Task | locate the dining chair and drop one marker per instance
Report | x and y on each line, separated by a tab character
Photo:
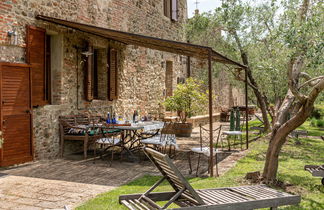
109	140
160	142
204	146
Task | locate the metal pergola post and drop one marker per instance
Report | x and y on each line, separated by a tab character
246	110
210	85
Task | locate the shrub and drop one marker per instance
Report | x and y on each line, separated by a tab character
320	123
188	98
318	112
313	122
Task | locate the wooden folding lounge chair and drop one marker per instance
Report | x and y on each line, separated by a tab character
316	171
245	197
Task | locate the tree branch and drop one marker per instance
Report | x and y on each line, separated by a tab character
312	82
315	91
294	69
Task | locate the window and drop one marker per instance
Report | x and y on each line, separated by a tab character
170	9
101	74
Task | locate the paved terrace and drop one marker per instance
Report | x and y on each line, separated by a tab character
53	184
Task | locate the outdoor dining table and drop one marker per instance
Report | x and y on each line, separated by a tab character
132	134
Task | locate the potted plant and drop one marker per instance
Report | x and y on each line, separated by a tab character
188	99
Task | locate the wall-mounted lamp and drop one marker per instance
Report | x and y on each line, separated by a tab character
87	53
13	36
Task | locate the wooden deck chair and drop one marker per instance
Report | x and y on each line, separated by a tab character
316	170
245	197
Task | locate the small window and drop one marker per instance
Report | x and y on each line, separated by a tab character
170	9
101	76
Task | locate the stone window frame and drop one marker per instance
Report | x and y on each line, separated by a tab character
56	67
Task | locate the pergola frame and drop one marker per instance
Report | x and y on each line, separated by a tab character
181	48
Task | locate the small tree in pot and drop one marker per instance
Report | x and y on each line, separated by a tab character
188	99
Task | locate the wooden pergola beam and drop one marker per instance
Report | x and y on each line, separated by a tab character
182	48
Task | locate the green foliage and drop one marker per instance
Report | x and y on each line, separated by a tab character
312	129
313	122
271	33
320	123
318	112
188	98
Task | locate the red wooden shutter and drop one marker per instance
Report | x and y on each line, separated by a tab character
169	78
35	55
88	74
112	74
174	10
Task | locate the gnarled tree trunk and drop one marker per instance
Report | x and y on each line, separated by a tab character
283	127
295	100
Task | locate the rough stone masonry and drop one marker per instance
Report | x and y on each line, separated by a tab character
141	74
141	70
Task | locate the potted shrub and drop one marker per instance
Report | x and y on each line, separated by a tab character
188	99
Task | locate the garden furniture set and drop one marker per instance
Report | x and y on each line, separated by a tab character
94	131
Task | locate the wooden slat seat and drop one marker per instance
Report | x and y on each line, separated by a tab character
316	170
243	197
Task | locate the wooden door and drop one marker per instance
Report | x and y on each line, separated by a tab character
16	116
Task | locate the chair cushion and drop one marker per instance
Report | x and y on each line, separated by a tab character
232	132
203	150
92	132
153	140
113	141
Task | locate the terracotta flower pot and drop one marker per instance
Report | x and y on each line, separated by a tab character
183	129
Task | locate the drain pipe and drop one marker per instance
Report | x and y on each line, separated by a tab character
77	76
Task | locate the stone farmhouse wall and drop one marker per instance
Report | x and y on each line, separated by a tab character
141	70
226	94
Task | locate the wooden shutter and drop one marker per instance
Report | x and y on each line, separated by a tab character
169	78
88	74
174	10
112	74
35	55
167	8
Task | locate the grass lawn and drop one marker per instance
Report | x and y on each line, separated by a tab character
292	161
312	131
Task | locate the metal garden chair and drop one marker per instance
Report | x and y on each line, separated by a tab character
204	147
165	138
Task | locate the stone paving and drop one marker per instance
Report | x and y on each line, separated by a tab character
53	184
